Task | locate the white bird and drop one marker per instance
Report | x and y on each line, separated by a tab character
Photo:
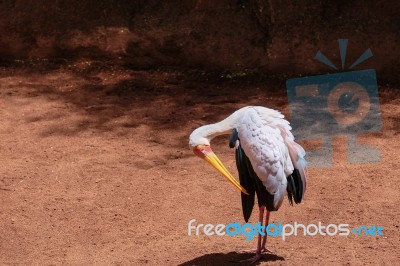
270	163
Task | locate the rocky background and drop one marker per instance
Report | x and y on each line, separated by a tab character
267	36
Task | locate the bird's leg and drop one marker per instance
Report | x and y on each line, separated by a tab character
260	219
264	241
257	256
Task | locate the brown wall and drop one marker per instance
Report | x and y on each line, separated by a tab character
270	35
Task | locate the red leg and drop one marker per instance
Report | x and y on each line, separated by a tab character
258	256
260	219
264	242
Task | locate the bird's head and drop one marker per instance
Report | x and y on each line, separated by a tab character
201	148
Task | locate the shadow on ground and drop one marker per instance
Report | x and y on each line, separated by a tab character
231	258
160	99
109	97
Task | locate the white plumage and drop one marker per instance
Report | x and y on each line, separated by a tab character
266	152
262	142
266	139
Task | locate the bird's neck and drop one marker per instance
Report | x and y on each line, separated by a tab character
214	130
221	128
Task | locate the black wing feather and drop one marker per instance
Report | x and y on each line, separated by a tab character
233	138
246	182
250	181
295	187
244	176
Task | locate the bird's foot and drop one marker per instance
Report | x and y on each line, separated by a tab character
263	250
252	260
266	250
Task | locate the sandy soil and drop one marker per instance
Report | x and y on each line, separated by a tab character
96	169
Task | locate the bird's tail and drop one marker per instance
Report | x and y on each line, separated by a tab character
297	181
297	154
295	190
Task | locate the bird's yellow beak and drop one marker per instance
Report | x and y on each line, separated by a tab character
205	152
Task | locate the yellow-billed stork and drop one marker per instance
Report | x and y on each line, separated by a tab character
269	162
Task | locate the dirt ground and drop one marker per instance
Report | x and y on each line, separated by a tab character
96	169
